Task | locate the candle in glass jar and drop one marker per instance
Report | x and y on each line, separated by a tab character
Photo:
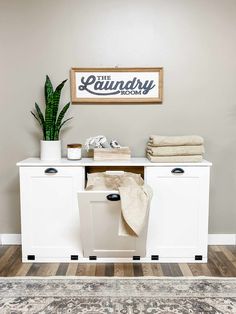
74	151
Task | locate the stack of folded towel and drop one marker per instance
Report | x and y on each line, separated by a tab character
175	148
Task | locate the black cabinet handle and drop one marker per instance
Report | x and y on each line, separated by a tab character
113	197
51	170
177	170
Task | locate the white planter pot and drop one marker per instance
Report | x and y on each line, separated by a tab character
50	150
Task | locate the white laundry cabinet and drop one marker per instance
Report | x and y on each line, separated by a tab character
177	228
49	212
178	221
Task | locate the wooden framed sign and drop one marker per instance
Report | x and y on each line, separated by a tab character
116	85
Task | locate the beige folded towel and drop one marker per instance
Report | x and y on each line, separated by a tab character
157	140
190	158
175	150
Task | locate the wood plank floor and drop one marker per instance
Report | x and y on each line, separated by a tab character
221	263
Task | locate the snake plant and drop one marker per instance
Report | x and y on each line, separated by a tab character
51	122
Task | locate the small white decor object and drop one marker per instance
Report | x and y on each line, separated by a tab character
74	151
50	150
115	144
99	141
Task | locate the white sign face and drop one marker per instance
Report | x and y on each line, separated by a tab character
116	85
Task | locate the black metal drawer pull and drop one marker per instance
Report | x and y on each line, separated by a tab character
177	170
51	170
113	197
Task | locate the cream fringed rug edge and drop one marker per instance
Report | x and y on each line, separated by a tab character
178	295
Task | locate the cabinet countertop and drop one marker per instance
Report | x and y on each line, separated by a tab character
134	161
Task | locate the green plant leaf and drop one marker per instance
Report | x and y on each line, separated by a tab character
36	117
64	122
48	90
59	128
60	118
41	117
39	121
57	92
62	114
56	99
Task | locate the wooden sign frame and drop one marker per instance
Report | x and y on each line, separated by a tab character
116	85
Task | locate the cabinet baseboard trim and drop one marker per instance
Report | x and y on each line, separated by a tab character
213	239
221	239
10	239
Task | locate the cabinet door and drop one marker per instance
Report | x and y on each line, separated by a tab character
178	221
100	221
49	212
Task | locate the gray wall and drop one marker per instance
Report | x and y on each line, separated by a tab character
193	40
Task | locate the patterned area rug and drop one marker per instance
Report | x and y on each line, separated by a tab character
117	295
